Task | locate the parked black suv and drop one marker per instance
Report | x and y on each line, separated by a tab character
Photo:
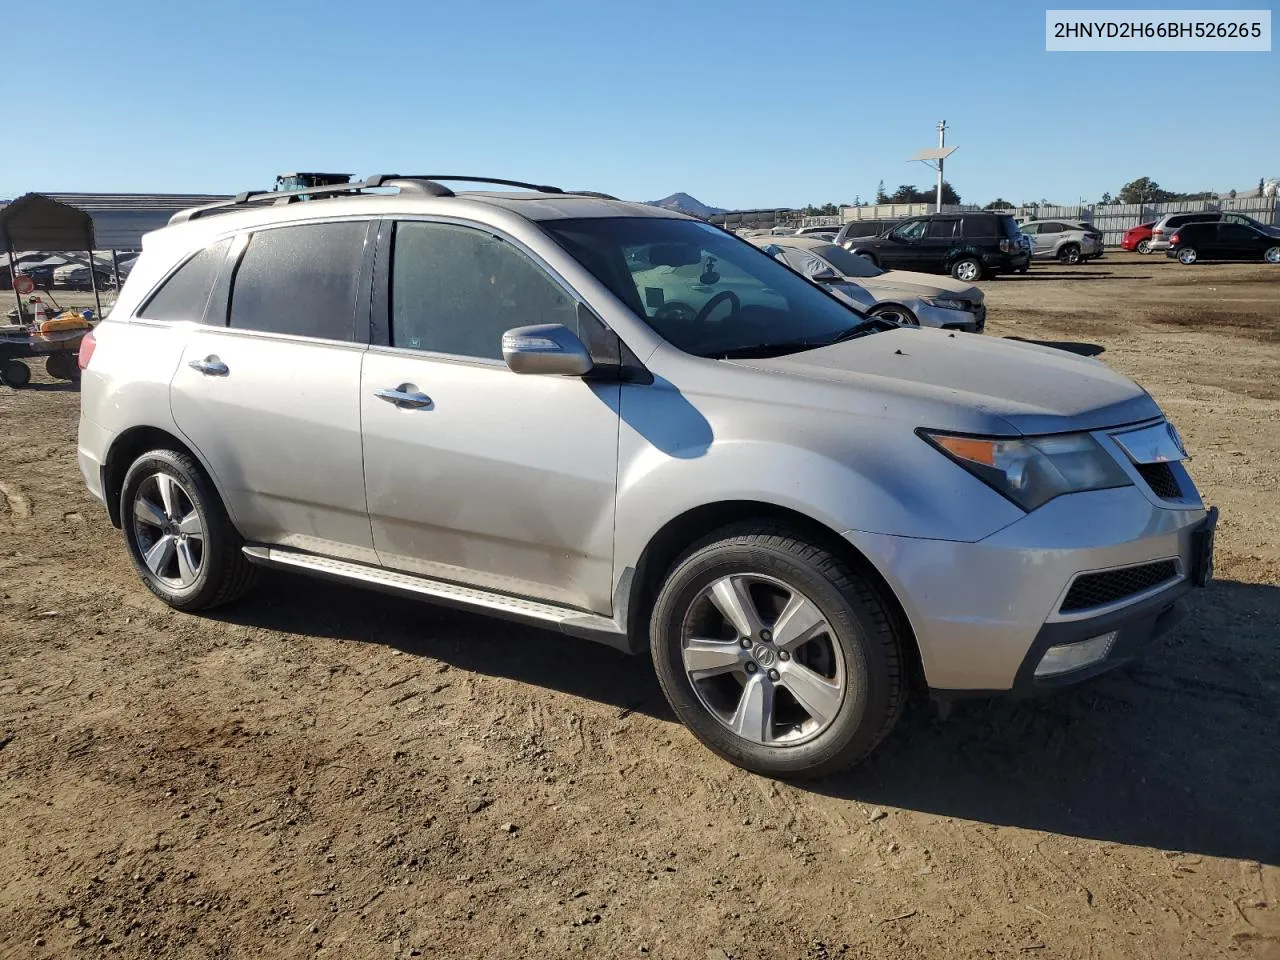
1222	241
860	229
969	246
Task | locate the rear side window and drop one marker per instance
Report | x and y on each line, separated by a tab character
186	293
457	290
942	229
984	227
300	280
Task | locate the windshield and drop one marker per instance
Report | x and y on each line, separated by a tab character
701	289
847	264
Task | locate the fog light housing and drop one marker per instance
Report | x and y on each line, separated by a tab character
1066	657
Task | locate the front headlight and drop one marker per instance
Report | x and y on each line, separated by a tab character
947	303
1031	471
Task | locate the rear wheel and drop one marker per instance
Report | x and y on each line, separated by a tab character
178	533
967	269
1144	246
776	654
1187	255
1272	255
15	373
62	366
1070	253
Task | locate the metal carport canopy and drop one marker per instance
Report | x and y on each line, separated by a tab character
35	222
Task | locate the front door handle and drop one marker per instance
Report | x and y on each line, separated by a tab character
406	397
210	366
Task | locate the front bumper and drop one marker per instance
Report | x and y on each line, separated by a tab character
983	611
973	321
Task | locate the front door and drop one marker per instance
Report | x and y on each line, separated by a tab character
901	249
484	477
268	392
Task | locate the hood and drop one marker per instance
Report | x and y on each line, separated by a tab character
908	283
1030	388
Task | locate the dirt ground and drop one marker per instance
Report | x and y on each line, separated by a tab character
321	772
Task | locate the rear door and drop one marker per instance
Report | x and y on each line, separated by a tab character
1236	242
268	389
489	478
940	240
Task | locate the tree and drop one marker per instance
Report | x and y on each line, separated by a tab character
1232	194
909	193
1106	198
881	196
1142	190
999	204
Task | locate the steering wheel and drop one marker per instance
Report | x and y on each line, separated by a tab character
676	310
715	301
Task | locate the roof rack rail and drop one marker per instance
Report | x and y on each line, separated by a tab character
407	183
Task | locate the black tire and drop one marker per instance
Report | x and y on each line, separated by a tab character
1069	253
15	374
63	366
224	572
875	262
968	270
874	688
909	319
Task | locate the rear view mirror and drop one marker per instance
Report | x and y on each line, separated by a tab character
674	255
546	348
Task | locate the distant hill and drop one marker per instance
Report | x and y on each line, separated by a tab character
686	204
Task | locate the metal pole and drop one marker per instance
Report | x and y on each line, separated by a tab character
13	276
942	142
115	268
93	279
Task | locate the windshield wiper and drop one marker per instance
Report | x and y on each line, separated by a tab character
776	348
859	328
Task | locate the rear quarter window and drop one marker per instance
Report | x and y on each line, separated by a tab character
185	295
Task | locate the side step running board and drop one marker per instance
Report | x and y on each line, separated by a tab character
576	623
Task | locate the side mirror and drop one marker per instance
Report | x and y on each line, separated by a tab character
546	348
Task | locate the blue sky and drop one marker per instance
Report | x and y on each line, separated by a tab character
739	103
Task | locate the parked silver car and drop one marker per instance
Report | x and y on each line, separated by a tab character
911	299
1069	241
619	422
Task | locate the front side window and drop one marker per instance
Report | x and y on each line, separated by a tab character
300	280
911	230
702	290
457	290
185	294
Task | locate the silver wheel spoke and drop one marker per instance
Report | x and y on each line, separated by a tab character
148	512
190	525
168	494
819	696
708	658
158	557
731	598
754	717
798	623
187	566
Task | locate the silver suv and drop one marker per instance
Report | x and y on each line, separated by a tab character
1068	241
619	422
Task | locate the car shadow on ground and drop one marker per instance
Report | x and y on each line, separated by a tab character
1079	274
1071	346
1178	752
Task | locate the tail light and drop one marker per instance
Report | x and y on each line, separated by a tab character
1175	238
1006	246
86	350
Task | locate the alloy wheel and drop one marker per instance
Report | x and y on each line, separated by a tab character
763	660
168	530
1187	255
1144	246
967	271
1272	255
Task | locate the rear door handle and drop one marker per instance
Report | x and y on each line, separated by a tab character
210	366
406	397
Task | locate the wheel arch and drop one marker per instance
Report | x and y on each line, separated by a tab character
639	590
131	444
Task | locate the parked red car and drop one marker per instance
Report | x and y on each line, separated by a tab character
1138	238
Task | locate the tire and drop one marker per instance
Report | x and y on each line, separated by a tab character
967	269
1144	247
16	374
1272	255
63	366
891	310
851	667
219	571
1187	256
1069	253
868	256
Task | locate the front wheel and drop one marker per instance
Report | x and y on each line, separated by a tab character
179	536
1187	256
895	314
1272	255
775	653
967	269
1144	246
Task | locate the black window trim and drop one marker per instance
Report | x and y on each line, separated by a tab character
380	312
235	256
